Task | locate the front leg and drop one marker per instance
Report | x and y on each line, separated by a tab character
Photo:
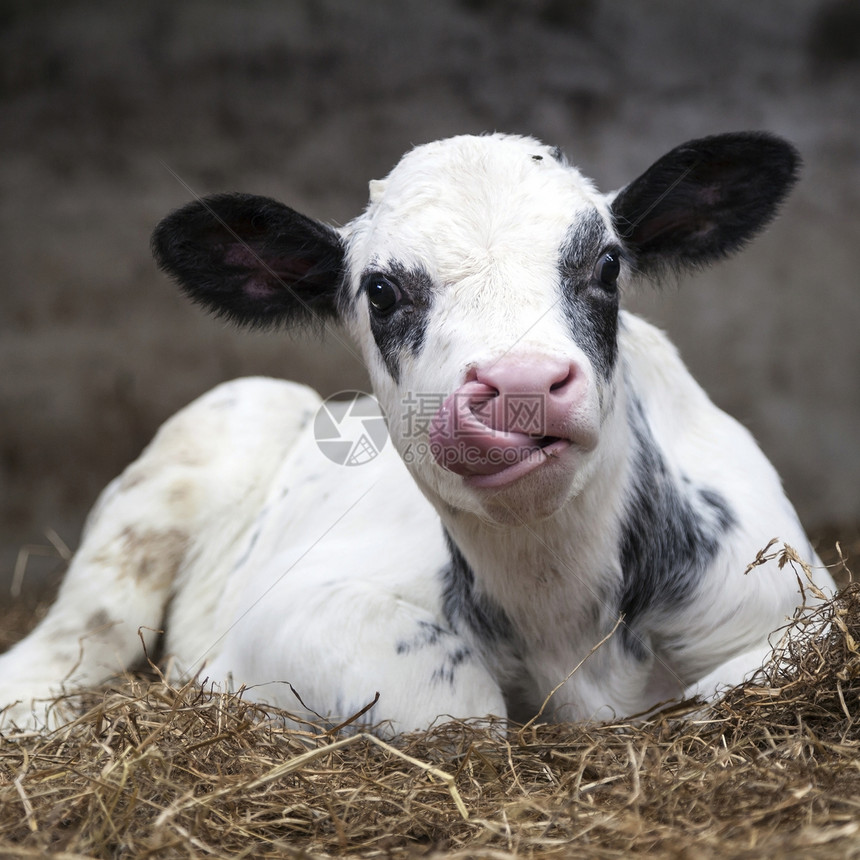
323	645
155	532
329	666
117	584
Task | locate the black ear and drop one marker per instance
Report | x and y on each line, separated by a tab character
252	259
705	199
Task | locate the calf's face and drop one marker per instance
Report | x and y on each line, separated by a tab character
481	284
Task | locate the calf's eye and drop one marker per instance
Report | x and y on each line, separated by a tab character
608	268
382	294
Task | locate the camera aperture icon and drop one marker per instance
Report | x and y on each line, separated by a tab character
349	428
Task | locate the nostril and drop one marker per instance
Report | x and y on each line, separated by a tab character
559	385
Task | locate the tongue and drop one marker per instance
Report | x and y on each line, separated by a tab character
465	445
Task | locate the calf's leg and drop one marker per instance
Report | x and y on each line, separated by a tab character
192	492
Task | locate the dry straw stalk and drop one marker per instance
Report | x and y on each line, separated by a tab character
151	770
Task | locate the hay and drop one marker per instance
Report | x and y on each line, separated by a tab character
151	770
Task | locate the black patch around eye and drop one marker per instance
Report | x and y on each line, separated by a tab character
591	306
592	316
398	325
588	237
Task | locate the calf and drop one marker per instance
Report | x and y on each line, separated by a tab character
553	467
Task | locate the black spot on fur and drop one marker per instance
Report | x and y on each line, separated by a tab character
496	641
670	535
427	635
463	606
447	672
99	619
431	635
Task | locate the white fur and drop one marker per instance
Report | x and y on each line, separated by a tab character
267	565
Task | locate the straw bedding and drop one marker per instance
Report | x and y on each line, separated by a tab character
152	770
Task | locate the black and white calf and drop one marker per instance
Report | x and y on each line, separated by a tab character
554	467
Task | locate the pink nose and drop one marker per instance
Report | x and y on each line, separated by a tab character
527	396
508	417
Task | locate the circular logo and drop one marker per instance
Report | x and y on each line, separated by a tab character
349	428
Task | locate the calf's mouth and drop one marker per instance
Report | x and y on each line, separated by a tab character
489	440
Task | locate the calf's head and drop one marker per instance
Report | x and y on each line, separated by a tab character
482	287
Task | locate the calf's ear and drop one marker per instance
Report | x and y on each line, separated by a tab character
704	199
252	260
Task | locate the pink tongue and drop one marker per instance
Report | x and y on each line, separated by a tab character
466	446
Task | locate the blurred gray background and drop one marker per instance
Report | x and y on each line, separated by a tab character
113	114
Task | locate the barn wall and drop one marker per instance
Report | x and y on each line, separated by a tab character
115	113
